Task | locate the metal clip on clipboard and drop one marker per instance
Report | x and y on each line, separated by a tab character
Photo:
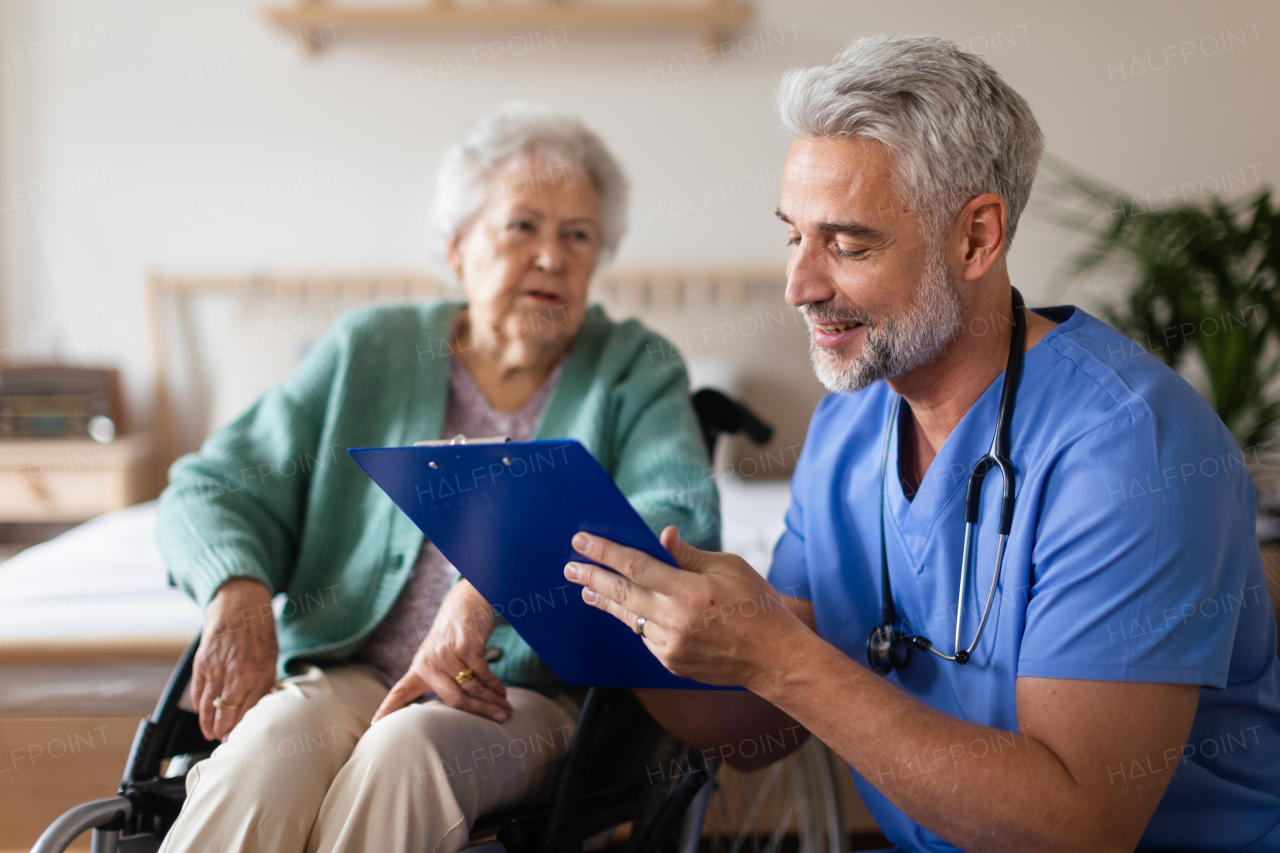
462	439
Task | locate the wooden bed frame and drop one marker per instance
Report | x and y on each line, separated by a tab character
652	294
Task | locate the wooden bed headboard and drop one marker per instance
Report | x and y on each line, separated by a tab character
735	317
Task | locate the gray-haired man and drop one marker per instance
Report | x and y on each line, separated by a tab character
1090	665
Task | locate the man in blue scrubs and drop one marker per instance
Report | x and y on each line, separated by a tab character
1125	689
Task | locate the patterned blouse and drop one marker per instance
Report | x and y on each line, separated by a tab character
390	648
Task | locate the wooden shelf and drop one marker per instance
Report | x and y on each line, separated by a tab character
710	18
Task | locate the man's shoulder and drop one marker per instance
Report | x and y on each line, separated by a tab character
1090	376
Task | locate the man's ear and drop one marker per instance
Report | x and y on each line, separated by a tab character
981	224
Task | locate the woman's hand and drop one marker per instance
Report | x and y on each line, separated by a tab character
455	643
718	621
237	656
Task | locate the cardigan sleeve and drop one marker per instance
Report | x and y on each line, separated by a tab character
662	464
237	507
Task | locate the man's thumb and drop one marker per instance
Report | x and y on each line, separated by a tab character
687	556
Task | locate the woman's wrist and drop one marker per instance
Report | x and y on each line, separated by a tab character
476	611
241	589
240	602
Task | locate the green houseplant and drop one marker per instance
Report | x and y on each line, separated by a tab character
1205	285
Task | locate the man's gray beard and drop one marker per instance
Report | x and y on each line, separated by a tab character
896	345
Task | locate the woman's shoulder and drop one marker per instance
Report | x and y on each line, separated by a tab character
624	344
420	325
378	317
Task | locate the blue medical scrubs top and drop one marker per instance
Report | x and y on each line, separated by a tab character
1132	557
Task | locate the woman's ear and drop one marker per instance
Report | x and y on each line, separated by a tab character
453	254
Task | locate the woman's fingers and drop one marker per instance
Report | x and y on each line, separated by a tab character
240	692
484	692
206	681
408	688
238	675
482	687
474	660
199	686
481	683
455	697
225	718
207	712
476	691
473	696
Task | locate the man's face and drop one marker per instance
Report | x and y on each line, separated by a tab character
876	293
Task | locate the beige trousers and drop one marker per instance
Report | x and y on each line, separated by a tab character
304	770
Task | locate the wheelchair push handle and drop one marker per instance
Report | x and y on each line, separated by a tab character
718	413
105	817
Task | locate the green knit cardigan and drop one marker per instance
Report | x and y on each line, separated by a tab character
275	497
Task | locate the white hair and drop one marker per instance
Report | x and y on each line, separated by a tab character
954	127
520	130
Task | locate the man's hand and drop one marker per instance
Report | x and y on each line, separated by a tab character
717	621
237	655
455	643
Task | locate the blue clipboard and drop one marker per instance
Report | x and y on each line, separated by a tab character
504	515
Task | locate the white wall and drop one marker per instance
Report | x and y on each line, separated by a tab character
177	135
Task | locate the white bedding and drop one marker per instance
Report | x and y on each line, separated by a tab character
101	580
105	579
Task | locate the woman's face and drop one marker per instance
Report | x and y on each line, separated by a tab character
526	260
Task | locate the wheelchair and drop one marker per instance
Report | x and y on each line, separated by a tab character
607	779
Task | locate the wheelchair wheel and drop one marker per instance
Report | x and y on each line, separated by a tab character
791	805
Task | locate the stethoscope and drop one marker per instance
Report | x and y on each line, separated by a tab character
887	647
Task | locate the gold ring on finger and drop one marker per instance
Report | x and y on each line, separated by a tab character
223	705
463	677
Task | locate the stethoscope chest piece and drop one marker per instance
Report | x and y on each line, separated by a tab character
887	649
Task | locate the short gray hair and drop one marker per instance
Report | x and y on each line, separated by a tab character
953	126
519	130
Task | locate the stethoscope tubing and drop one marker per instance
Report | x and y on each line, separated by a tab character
996	457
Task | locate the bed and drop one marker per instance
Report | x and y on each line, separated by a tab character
90	627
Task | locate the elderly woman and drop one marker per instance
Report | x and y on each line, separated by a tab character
324	746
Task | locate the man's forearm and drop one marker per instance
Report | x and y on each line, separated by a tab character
979	788
735	726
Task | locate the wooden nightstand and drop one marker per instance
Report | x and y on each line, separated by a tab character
73	480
